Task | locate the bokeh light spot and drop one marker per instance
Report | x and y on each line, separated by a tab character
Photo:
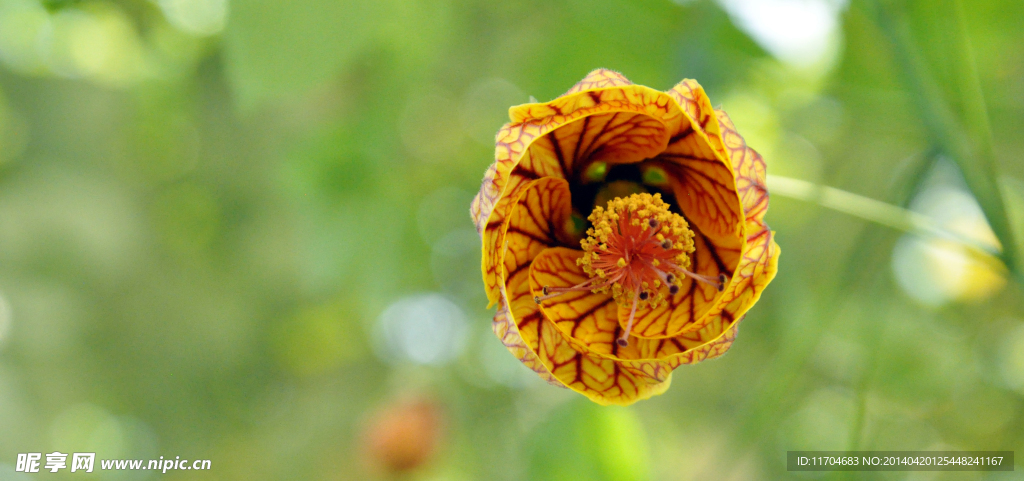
798	32
22	24
424	329
934	271
199	17
99	43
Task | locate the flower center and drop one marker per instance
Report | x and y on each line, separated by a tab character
638	250
635	247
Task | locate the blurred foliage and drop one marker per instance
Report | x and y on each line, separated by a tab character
583	441
206	208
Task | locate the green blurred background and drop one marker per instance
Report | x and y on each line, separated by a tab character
239	232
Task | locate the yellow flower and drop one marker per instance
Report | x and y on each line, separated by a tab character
623	235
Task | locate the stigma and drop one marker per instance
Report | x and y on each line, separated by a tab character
639	251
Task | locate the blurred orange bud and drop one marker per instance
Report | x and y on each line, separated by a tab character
404	434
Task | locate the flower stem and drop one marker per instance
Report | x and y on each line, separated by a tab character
870	209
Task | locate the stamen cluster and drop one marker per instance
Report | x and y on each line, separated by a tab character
635	247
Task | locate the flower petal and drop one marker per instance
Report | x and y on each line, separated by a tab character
585	363
600	378
691	97
497	194
616	125
705	190
749	168
615	137
698	304
483	201
687	311
600	78
535	222
700	170
603	380
589	321
508	334
757	268
709	350
588	318
524	205
759	265
760	258
701	177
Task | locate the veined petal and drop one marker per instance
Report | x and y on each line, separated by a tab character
499	191
760	259
483	202
700	174
508	334
600	78
705	189
749	168
696	104
709	350
757	268
700	170
536	221
618	124
588	321
686	312
600	378
603	380
587	318
708	343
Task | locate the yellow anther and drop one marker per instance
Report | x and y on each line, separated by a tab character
637	227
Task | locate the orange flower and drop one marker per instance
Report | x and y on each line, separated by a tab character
404	435
623	235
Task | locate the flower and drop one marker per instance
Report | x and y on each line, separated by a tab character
403	435
623	235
